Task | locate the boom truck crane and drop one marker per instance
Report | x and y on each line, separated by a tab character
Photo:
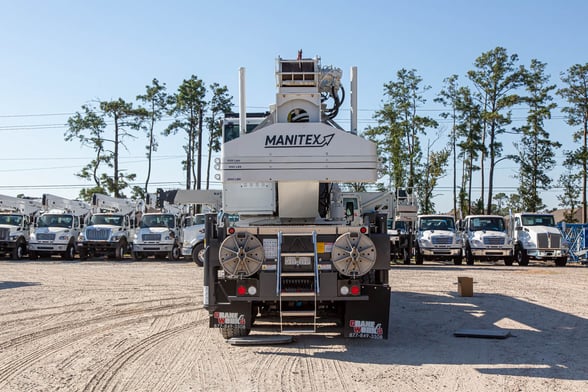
16	216
110	228
293	260
58	227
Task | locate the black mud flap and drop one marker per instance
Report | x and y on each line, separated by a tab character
368	320
237	315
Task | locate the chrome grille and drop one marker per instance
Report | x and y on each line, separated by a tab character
151	237
441	240
493	240
97	234
46	236
548	240
4	234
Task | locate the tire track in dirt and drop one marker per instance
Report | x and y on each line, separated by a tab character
107	376
19	362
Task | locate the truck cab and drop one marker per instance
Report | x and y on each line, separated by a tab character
437	239
536	237
158	234
485	237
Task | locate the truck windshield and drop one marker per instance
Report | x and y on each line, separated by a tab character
437	223
114	220
158	221
13	220
55	220
538	220
487	223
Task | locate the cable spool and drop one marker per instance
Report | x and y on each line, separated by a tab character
353	254
241	254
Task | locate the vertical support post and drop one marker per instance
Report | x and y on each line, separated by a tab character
242	103
354	100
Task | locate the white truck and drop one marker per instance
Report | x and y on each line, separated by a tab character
110	229
16	217
485	237
158	234
296	261
436	238
58	227
536	236
191	237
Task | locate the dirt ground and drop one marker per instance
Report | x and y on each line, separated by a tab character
140	326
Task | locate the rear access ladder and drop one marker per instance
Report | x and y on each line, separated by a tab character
302	317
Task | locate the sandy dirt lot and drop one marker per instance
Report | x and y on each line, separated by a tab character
140	326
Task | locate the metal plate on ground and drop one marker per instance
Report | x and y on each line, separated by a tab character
482	333
260	340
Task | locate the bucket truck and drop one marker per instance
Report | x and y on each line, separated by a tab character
110	228
58	227
297	260
16	217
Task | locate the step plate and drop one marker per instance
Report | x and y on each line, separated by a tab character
260	340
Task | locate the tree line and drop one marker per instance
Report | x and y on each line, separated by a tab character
478	106
480	112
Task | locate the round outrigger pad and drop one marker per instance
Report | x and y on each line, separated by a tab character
253	340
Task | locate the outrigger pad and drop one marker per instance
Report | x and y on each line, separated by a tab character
482	333
368	319
254	340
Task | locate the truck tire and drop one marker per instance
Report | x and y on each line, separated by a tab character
561	261
18	251
69	253
508	261
521	256
232	331
406	256
83	254
119	251
174	254
198	254
137	256
457	260
418	257
469	256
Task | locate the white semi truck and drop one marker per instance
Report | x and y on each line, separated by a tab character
16	216
536	237
294	261
437	238
485	237
110	228
58	227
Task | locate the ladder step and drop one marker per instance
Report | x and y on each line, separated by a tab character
297	273
296	234
298	313
298	294
297	254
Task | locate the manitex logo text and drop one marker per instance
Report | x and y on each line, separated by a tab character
303	140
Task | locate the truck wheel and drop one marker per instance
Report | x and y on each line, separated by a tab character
232	331
198	254
418	257
83	254
69	253
457	260
18	252
561	262
174	254
508	261
469	256
119	251
33	255
137	255
522	256
406	256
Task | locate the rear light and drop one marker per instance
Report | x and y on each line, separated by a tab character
352	289
363	230
231	230
243	290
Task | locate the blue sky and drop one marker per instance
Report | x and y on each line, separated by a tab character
59	55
